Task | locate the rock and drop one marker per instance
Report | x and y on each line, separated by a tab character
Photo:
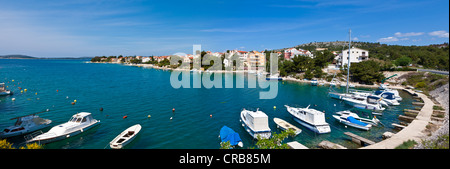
387	135
329	145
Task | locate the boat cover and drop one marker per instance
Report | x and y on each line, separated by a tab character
228	134
353	120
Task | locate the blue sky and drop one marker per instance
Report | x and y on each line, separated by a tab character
55	28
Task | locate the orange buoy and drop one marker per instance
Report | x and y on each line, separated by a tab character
124	117
56	90
101	108
210	115
173	110
73	103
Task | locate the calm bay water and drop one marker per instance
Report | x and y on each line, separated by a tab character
138	92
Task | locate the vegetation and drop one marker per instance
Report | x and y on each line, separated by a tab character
424	81
407	145
6	145
366	72
275	142
442	142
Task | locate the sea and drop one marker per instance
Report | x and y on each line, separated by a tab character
146	97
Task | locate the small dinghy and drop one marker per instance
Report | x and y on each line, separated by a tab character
286	126
125	137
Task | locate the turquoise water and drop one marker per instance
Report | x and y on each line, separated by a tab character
138	92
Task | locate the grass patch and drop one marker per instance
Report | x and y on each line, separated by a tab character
407	145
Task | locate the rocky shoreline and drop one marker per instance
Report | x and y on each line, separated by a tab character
441	95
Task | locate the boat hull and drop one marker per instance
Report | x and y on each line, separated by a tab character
345	122
65	135
23	132
311	127
114	144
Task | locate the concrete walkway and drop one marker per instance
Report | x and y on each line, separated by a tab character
413	131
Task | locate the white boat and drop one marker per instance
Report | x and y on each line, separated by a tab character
25	124
77	124
256	123
3	90
310	118
273	77
286	126
369	103
314	82
353	122
125	137
374	121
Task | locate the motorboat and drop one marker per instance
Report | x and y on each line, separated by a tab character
125	137
314	82
256	123
228	134
284	125
370	102
310	118
273	77
77	124
352	121
374	121
25	124
3	90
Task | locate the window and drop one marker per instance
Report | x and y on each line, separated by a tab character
78	120
84	120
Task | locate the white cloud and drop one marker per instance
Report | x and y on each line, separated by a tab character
388	39
355	38
399	34
441	34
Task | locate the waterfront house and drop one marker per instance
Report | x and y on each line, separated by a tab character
292	52
357	55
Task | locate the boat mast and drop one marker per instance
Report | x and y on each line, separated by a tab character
348	65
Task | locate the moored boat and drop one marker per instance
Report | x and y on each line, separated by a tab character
310	118
351	121
77	124
25	124
369	103
228	134
3	90
125	137
256	123
273	77
286	126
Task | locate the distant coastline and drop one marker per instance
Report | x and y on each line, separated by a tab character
18	56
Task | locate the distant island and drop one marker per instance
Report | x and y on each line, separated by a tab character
18	56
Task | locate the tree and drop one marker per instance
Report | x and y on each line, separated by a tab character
403	61
275	142
367	72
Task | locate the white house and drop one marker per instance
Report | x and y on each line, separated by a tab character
357	55
292	52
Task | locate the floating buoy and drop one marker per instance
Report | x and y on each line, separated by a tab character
101	108
73	103
67	97
149	116
173	110
36	93
170	118
21	91
210	115
48	110
124	117
56	90
13	99
274	107
12	80
25	90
